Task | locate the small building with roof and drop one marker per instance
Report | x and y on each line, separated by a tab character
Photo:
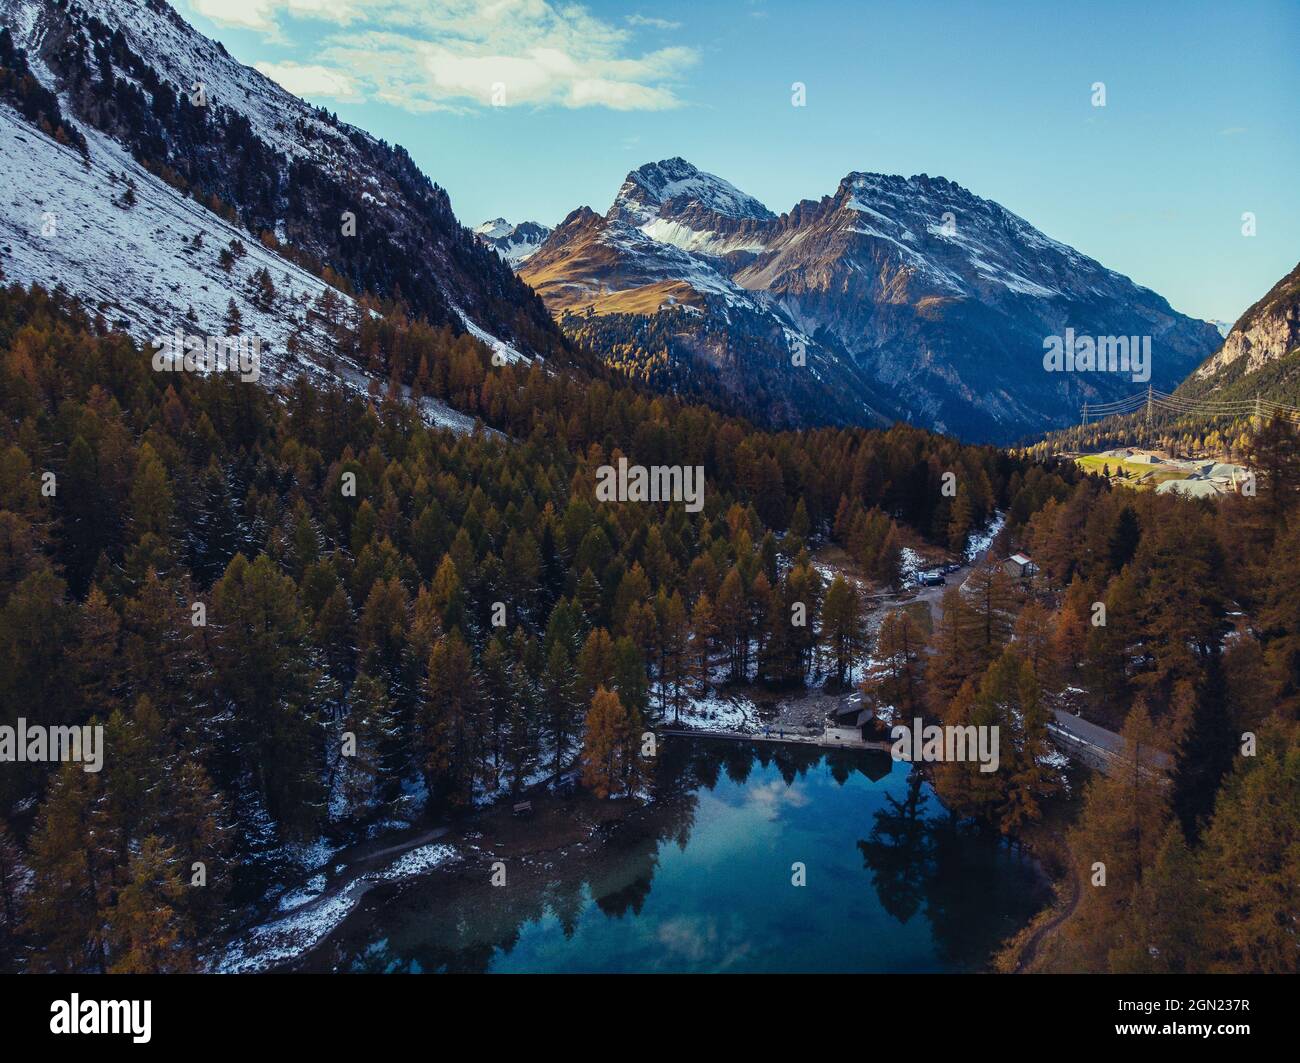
1020	566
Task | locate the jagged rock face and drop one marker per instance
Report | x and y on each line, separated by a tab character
913	297
515	243
276	165
1266	333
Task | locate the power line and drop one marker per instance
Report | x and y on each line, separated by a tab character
1153	399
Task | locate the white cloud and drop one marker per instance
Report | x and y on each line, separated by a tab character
653	23
251	14
311	80
467	53
260	14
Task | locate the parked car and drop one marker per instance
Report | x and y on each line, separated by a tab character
932	579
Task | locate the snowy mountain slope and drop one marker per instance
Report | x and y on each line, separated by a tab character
68	222
182	56
61	225
327	193
912	296
514	243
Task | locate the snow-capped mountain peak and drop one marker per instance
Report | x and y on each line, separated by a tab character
910	294
515	243
673	188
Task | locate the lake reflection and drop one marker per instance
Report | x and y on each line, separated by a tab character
702	881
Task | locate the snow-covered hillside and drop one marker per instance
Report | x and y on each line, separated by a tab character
157	91
149	267
182	56
148	259
154	260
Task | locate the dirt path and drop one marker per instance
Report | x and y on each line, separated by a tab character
395	850
1029	952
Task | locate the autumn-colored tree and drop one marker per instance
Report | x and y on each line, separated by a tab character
446	721
97	656
630	676
559	691
1280	623
1163	929
842	629
70	876
367	751
268	678
595	664
1250	860
895	676
674	640
12	875
1026	776
704	634
992	598
955	645
611	754
1273	452
1117	839
447	594
145	929
1033	638
523	730
36	625
732	613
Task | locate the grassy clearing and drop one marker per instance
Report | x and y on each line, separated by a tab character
1154	474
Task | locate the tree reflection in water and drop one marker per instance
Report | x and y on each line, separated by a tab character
920	861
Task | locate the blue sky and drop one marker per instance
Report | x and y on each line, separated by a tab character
1200	123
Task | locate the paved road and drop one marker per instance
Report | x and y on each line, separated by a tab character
1078	727
933	596
1108	743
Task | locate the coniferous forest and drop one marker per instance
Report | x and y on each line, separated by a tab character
236	583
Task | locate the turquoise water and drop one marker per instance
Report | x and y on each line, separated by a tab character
891	882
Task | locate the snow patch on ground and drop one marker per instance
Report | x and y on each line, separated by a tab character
417	862
296	898
910	566
502	352
979	542
309	922
719	711
310	855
